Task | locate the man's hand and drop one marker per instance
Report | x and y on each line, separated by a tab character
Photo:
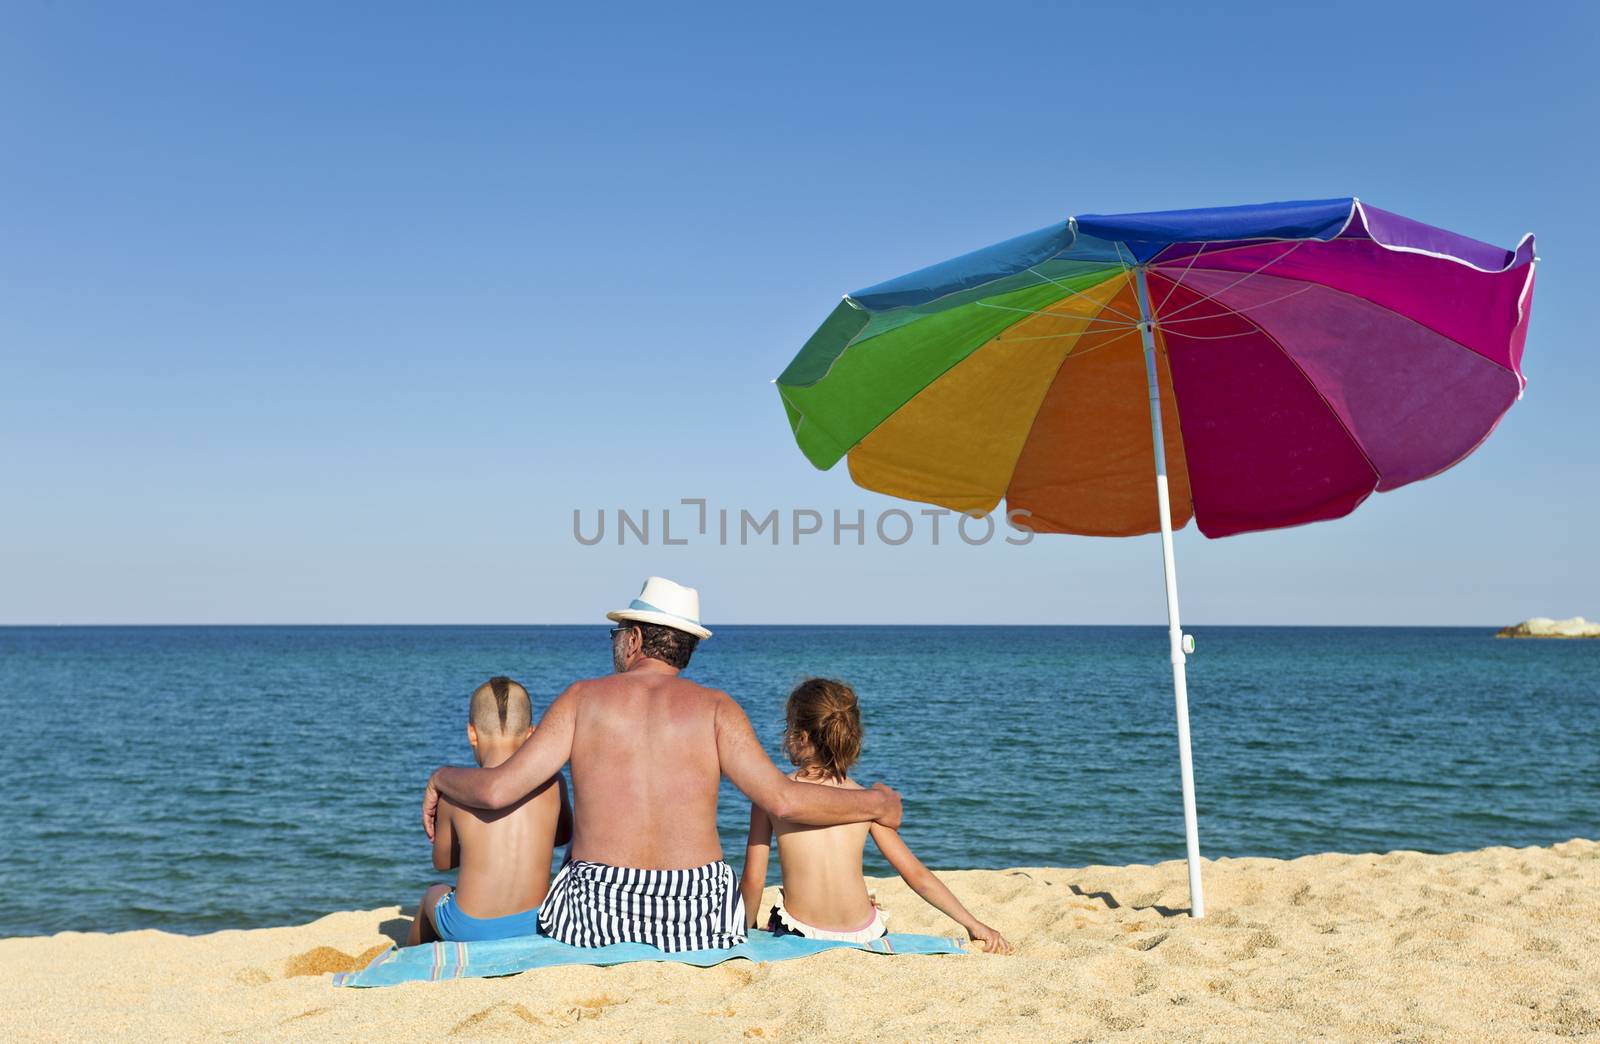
430	808
891	805
747	766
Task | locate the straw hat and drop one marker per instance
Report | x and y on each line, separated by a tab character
666	603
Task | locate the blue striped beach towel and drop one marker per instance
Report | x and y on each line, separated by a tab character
455	960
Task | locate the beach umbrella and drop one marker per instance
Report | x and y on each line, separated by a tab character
1269	365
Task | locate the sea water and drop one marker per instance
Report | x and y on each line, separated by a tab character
200	778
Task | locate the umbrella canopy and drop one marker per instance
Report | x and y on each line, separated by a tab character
1308	354
1302	354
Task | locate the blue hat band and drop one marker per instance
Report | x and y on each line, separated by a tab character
641	604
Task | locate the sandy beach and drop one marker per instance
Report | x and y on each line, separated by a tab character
1494	944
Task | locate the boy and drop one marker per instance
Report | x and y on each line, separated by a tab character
504	855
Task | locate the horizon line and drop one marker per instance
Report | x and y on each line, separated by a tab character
725	626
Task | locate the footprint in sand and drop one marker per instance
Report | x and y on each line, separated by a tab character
304	1015
1568	1018
1255	942
496	1020
1149	942
591	1007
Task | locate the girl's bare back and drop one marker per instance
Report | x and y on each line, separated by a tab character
823	889
822	879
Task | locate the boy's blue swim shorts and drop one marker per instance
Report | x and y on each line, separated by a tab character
455	925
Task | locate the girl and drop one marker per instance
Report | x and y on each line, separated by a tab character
823	895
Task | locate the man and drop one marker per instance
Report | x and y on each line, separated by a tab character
648	749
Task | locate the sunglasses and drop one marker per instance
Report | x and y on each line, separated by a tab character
620	630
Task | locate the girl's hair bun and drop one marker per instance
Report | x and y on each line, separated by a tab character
828	713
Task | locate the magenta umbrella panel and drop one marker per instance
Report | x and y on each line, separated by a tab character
1306	354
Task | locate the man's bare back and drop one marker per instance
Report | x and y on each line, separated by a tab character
645	760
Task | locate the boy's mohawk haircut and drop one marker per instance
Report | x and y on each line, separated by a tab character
500	685
501	705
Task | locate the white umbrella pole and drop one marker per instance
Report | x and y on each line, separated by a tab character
1180	686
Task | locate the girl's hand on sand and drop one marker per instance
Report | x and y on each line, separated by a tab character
430	808
993	941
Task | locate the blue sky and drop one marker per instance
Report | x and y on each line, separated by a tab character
333	313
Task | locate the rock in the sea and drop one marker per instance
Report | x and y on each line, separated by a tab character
1544	627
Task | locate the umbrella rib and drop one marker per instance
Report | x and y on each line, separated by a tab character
1210	337
1127	271
1116	324
1128	327
1103	344
1238	311
1001	338
1079	293
1174	287
1212	296
1249	244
